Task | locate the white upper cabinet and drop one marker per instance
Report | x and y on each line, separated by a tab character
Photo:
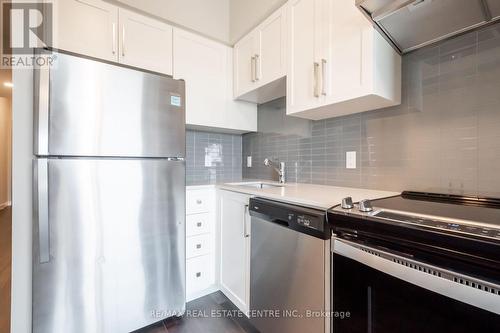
304	43
260	61
270	61
98	29
202	64
206	66
239	115
338	63
86	27
244	64
145	43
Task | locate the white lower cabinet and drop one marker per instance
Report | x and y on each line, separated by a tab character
235	248
218	244
198	201
199	275
197	224
198	245
200	241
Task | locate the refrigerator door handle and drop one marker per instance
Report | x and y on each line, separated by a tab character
42	120
42	209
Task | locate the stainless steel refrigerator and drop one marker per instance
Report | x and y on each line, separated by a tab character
109	197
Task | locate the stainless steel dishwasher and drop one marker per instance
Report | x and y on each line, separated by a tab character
289	268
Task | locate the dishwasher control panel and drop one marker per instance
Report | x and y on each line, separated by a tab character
307	221
303	219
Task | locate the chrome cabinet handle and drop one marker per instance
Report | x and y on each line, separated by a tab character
323	77
257	67
316	79
42	208
245	233
123	40
198	224
114	39
252	69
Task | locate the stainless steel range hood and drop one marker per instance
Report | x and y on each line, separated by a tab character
411	24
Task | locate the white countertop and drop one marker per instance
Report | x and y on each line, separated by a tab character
316	196
199	186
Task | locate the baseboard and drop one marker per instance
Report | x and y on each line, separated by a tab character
5	205
235	299
202	293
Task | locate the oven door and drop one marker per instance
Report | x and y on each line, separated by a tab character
377	291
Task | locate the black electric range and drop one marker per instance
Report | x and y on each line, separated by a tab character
434	254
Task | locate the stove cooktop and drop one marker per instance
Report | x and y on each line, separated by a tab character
465	215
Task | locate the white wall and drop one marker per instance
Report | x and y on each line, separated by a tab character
247	14
22	150
208	17
5	141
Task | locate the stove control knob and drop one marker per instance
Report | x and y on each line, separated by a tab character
365	206
347	203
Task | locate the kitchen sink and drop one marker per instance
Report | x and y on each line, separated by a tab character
258	185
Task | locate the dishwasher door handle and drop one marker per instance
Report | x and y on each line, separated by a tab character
280	222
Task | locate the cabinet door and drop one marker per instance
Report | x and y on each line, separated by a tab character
271	61
244	64
346	51
145	43
202	64
238	115
87	27
235	248
207	68
304	45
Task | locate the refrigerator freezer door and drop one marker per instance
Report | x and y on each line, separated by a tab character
91	108
116	244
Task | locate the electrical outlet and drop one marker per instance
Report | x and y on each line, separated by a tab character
249	161
350	160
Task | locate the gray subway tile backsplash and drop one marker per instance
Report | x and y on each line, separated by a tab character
212	157
444	137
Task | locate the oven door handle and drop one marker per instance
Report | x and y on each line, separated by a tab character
436	279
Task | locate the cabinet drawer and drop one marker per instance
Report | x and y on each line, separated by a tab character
199	275
197	246
197	224
197	201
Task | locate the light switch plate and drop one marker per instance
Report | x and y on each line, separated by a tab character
350	160
249	161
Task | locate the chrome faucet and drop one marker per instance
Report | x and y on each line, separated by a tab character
280	170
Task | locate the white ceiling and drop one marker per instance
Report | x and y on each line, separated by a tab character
247	14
